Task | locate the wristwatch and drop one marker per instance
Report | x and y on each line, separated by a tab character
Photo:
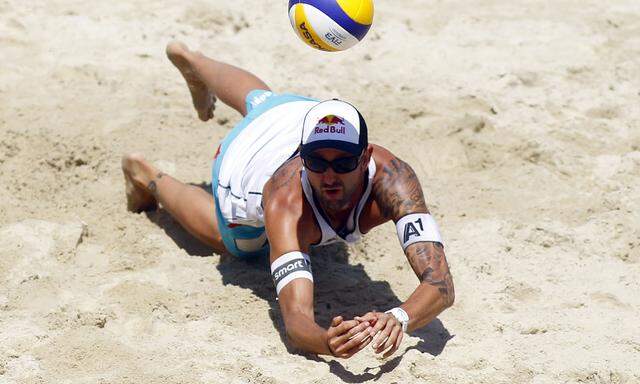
401	315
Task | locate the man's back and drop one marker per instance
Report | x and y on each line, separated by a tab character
269	135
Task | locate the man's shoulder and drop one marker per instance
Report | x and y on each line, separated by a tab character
396	188
386	163
382	156
288	216
283	192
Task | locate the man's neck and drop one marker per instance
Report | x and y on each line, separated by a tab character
338	218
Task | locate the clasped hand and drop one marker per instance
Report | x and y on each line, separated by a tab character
348	337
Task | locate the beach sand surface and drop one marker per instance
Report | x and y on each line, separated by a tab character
521	119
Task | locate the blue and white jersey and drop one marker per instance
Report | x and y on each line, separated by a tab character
267	137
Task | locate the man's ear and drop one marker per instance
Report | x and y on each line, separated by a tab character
367	155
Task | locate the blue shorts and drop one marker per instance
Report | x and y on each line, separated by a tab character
242	240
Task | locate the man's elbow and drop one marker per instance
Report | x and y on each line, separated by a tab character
449	299
296	340
448	293
293	339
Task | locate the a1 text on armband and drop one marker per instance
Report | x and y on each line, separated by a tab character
416	227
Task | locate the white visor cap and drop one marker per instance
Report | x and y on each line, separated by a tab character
334	124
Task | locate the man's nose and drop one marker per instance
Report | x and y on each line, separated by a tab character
329	176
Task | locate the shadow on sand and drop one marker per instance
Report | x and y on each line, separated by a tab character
340	289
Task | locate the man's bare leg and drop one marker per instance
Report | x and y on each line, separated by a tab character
208	79
191	206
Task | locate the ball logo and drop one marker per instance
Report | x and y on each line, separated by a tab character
307	35
334	38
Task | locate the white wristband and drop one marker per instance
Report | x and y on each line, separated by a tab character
416	227
401	315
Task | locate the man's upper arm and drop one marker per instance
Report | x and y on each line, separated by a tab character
398	192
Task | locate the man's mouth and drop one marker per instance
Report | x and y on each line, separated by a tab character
332	192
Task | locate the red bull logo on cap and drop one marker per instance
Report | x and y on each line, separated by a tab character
330	124
331	119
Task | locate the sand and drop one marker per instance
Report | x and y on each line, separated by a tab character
522	119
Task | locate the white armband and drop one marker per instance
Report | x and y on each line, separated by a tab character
416	227
290	266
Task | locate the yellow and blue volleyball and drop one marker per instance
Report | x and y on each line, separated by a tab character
331	25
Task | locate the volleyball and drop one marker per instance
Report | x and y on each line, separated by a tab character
331	25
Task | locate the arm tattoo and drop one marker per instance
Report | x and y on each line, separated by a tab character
399	192
283	176
430	264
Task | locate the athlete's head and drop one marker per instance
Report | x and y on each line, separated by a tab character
335	152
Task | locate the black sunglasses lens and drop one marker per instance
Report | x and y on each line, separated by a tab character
341	165
315	164
345	164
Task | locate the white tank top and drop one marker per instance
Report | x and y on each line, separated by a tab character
351	232
253	156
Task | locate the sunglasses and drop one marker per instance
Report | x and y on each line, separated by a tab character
339	165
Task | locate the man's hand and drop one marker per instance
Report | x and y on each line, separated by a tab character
346	338
387	330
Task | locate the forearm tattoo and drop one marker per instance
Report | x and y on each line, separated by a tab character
399	192
430	264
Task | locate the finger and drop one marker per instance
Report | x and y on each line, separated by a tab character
333	331
345	326
341	328
384	335
370	319
379	327
380	323
360	347
393	336
354	342
357	330
366	341
396	345
369	316
338	341
399	339
390	345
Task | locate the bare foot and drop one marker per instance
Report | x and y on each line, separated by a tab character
203	99
137	176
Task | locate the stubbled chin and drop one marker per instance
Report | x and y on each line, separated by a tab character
333	202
